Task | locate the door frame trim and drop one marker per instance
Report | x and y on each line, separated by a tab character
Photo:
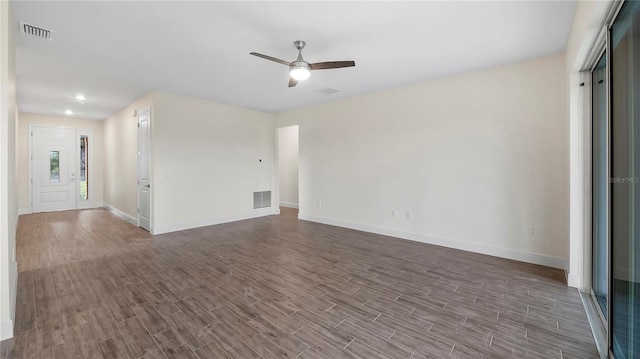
85	131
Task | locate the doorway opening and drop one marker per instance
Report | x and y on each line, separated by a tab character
288	167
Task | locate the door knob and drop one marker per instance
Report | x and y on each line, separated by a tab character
148	186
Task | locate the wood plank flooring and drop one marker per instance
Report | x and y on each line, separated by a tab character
93	286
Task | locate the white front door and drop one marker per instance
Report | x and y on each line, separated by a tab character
144	184
54	169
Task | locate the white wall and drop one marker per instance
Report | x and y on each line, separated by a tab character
288	166
478	158
26	120
206	162
121	159
8	197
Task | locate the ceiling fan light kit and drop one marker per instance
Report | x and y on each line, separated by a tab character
300	70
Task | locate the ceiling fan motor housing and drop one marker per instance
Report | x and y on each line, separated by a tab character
300	65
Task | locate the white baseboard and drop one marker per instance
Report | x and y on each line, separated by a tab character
573	280
289	205
121	214
210	222
521	256
24	211
6	329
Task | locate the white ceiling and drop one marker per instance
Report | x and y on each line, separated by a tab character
115	52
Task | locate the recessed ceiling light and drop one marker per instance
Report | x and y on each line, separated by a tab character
68	112
80	97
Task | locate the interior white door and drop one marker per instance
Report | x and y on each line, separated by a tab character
144	183
54	185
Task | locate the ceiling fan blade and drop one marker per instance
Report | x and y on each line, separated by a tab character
267	57
292	82
332	65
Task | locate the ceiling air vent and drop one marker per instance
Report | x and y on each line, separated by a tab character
328	91
36	31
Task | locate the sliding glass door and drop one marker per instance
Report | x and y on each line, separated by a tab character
625	175
615	179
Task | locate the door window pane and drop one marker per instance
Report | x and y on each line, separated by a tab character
54	166
84	168
625	175
600	183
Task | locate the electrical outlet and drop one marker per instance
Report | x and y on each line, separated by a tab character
319	203
409	215
533	231
393	213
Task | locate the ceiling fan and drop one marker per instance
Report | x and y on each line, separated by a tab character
299	70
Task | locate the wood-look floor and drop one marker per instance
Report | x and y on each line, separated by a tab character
94	286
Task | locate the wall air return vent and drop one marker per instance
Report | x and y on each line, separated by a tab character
36	31
261	199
